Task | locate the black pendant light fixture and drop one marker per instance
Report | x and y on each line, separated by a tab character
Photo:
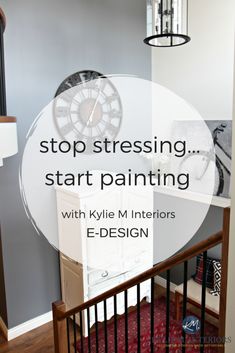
167	23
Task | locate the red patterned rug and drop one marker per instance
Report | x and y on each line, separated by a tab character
192	341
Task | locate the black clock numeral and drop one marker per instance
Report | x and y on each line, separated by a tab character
112	98
98	129
72	112
82	129
92	85
66	86
87	75
79	137
74	80
111	128
90	144
63	87
102	83
95	75
113	114
81	95
66	129
62	112
67	96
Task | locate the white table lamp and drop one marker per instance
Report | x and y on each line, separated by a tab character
8	132
8	137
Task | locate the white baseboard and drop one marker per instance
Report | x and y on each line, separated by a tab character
162	282
26	326
3	328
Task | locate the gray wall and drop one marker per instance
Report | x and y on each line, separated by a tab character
46	41
3	304
212	224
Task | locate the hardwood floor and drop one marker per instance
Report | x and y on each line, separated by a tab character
39	340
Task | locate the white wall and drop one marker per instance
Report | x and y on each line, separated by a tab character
202	73
202	70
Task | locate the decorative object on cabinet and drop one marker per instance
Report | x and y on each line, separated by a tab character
92	266
167	23
8	133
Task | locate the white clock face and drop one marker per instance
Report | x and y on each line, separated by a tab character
90	111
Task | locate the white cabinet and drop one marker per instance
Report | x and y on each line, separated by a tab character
91	266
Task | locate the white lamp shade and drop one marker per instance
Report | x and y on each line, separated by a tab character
8	140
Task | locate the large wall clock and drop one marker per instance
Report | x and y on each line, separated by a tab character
92	111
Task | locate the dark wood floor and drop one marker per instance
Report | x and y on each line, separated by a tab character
39	340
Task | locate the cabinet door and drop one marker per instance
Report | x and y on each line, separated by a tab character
103	251
70	240
138	200
71	282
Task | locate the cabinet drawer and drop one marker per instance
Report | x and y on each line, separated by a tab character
99	288
99	276
135	271
140	260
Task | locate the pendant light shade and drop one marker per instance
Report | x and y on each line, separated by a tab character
8	131
167	23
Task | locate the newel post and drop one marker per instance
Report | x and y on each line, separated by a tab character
224	276
59	326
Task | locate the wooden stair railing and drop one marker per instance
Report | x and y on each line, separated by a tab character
61	316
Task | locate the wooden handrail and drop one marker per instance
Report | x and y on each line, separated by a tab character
7	119
163	266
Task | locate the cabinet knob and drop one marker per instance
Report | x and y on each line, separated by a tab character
104	274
